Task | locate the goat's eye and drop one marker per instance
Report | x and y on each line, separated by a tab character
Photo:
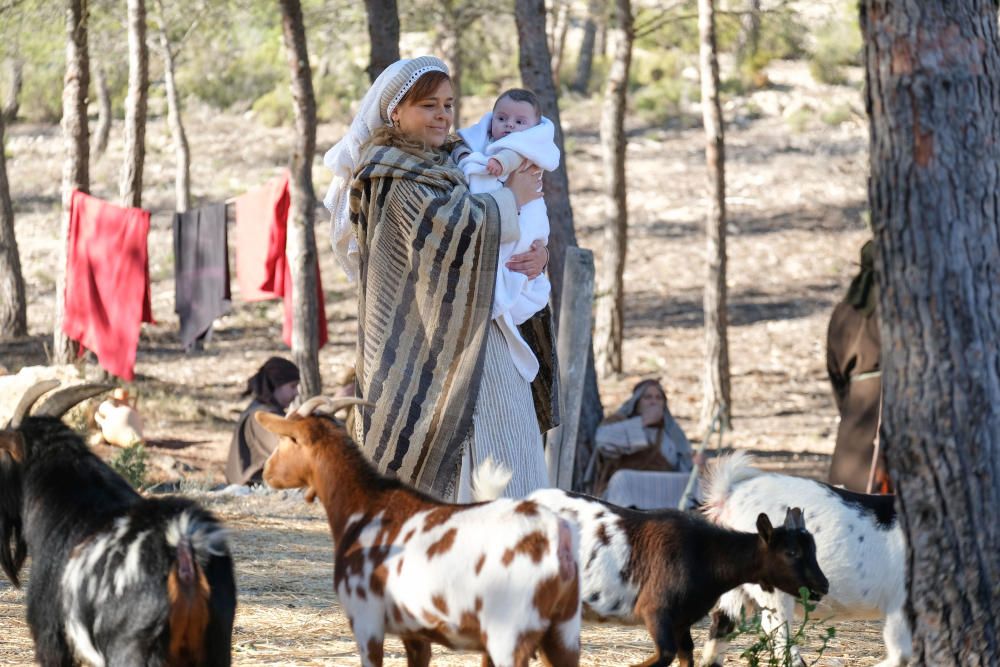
793	552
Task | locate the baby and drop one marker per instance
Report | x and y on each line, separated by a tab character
498	144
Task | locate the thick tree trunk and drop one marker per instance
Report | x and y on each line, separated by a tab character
536	73
182	154
716	381
610	323
383	32
130	186
13	101
933	97
301	248
13	305
585	60
103	129
76	164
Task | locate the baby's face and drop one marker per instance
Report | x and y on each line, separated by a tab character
510	116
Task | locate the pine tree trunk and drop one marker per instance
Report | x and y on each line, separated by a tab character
610	321
933	98
451	52
748	42
130	186
13	101
383	32
103	129
536	73
182	169
716	381
301	248
13	305
76	165
559	33
585	60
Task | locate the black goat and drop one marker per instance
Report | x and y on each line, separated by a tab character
116	579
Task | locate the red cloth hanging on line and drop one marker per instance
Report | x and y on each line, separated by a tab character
107	281
262	270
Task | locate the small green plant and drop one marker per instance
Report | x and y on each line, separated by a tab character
837	115
838	44
130	463
766	650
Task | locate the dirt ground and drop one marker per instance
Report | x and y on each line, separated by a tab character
796	168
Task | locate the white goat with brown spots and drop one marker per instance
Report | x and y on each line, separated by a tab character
497	577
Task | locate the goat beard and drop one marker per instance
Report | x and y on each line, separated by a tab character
13	549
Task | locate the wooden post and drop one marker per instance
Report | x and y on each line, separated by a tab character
572	347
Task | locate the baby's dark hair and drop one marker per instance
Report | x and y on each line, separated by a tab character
522	95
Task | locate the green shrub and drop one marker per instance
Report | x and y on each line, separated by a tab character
337	92
764	649
838	44
837	115
661	101
130	463
275	108
799	119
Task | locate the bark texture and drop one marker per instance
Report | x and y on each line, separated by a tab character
103	129
933	97
130	186
383	32
536	73
301	244
716	381
13	305
13	102
610	322
76	163
182	154
585	59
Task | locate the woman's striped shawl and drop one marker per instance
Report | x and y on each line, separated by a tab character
428	257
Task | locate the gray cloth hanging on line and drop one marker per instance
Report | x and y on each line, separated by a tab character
201	270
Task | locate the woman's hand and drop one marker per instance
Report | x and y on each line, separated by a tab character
532	262
526	184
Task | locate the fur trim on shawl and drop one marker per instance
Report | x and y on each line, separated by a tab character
428	254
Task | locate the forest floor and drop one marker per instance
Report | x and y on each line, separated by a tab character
796	162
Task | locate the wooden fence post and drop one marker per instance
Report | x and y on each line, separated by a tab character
572	347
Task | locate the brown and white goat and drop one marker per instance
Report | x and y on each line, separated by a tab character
666	568
499	577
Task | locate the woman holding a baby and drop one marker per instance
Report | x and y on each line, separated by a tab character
454	339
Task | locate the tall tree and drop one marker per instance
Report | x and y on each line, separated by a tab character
610	317
182	154
561	17
103	129
11	105
716	380
13	304
76	143
748	42
933	98
585	59
301	249
536	73
383	33
130	186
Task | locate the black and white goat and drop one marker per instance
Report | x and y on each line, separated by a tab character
859	545
116	579
666	568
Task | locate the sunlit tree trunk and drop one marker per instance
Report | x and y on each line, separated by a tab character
716	380
536	73
13	305
301	245
182	154
103	129
585	60
451	50
559	31
76	143
933	98
610	317
130	186
383	33
13	101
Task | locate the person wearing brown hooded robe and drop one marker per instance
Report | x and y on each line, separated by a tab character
273	387
852	362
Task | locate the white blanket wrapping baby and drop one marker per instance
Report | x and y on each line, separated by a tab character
516	298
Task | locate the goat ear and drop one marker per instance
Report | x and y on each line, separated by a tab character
764	527
11	443
277	424
794	519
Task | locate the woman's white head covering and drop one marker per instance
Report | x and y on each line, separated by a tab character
375	111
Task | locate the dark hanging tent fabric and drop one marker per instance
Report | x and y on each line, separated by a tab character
201	271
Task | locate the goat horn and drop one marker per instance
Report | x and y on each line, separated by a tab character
29	398
793	519
61	401
332	405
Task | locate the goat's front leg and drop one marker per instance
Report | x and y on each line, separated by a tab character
660	628
714	653
685	645
418	652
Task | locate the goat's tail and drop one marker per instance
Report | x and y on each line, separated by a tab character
721	478
195	540
490	480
